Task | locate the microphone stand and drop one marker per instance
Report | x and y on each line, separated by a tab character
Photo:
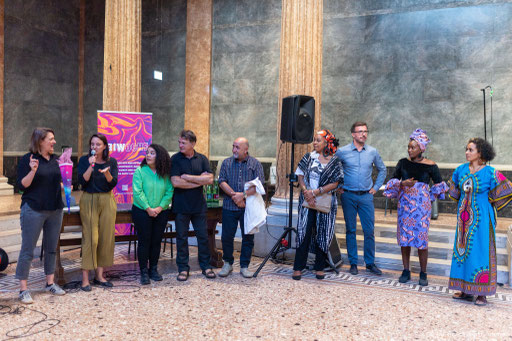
485	114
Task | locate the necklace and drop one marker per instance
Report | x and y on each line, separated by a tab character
474	170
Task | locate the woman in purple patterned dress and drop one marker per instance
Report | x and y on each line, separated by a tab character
410	184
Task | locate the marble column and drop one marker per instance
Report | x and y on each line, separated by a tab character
300	73
2	40
81	69
122	61
198	72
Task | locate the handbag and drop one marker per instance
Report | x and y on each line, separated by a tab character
322	203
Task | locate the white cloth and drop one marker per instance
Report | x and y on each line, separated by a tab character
255	214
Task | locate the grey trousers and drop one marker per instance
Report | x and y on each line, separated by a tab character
32	222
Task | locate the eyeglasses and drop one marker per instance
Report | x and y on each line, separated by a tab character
362	132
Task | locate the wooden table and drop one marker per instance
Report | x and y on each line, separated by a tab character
124	216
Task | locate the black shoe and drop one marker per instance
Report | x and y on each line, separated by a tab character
353	269
87	288
423	279
406	276
373	269
144	278
320	276
105	284
153	274
296	277
208	273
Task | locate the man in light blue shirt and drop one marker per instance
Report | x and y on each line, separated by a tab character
358	160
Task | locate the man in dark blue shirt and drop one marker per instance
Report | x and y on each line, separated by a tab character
234	173
358	160
189	172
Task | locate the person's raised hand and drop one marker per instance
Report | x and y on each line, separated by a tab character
33	163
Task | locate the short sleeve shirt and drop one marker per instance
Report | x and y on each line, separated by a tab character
189	201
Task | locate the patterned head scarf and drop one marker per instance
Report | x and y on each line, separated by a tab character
420	136
332	142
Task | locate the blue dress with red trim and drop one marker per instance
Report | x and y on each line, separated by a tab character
479	195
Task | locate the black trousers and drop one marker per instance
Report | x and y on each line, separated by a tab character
149	233
182	225
301	254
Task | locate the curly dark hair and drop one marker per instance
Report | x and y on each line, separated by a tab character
485	149
162	161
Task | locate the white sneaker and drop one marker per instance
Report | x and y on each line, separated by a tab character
25	297
55	289
246	273
226	270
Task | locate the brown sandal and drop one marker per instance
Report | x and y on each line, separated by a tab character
183	276
481	301
462	296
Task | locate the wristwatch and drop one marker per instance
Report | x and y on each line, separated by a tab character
245	195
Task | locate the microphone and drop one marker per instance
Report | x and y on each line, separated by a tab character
93	152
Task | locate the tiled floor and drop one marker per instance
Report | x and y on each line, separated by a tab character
270	307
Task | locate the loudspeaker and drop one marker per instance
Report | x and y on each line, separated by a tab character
298	119
4	260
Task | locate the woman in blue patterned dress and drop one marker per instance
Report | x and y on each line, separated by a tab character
410	184
480	191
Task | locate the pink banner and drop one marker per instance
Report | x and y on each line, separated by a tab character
129	135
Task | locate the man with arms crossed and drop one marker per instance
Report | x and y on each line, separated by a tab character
234	173
358	160
189	172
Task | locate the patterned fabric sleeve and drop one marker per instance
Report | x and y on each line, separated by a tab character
501	195
392	188
304	162
438	190
454	191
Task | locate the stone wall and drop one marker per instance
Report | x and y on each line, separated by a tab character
164	30
245	75
41	71
399	65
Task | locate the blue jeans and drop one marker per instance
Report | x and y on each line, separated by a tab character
32	223
354	204
230	221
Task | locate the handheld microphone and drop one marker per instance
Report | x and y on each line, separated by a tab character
93	152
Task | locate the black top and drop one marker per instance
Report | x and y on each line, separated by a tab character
189	201
406	169
97	182
44	193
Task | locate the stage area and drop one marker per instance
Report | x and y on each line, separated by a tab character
272	306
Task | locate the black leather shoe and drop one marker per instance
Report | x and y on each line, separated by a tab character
353	269
87	288
144	278
423	279
320	276
296	277
105	284
153	274
373	269
405	277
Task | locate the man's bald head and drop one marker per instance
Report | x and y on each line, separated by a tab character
240	148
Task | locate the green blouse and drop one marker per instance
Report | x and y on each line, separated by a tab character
151	190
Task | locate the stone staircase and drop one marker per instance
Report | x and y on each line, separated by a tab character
5	188
10	237
441	239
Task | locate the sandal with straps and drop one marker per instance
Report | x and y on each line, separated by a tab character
183	276
462	296
208	273
481	301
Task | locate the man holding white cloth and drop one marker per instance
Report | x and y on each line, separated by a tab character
234	173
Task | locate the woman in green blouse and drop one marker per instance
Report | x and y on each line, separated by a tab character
152	194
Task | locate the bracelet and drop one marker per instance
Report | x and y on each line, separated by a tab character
321	189
313	192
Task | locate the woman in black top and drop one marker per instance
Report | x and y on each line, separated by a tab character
97	173
41	209
410	184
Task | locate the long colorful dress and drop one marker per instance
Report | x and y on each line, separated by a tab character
479	196
414	203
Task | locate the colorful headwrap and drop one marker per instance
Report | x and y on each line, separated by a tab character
332	141
420	136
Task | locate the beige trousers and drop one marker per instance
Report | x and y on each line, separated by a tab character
98	214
